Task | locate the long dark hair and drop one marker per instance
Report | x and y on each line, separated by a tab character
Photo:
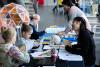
83	23
67	2
83	27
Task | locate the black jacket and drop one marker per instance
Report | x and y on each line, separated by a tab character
35	35
85	47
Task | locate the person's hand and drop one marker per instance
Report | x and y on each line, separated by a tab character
37	44
69	45
23	48
67	42
61	33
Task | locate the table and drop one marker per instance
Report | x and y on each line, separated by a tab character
66	59
47	60
55	30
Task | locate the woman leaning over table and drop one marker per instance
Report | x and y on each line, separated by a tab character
73	11
85	46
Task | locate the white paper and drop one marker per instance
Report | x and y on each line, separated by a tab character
58	46
39	54
46	53
47	47
64	55
73	43
54	30
36	54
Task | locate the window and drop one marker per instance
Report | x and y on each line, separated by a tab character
90	7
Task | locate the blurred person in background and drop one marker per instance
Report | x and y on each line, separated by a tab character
76	2
34	24
72	12
57	5
35	5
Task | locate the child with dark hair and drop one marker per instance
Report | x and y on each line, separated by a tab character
85	43
26	31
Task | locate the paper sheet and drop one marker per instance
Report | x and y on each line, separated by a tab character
41	54
64	55
54	30
46	47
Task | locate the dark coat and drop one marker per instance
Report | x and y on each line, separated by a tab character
35	35
85	47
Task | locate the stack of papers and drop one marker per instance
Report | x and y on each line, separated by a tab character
58	46
64	55
41	54
55	30
46	47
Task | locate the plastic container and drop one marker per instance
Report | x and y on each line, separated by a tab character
72	39
53	55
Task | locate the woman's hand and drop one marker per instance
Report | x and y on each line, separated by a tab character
69	45
67	42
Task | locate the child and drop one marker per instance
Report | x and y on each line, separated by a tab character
26	31
34	24
8	51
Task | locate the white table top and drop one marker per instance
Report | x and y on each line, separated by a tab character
55	30
63	54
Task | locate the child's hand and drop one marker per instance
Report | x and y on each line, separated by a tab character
36	44
61	33
23	48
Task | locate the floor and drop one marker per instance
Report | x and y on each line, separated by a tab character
48	18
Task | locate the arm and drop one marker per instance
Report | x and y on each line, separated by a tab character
73	49
17	54
83	46
86	42
72	14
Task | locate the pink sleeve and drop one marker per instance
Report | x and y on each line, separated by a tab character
14	52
